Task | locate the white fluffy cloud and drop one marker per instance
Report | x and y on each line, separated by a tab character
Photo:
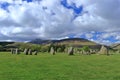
50	19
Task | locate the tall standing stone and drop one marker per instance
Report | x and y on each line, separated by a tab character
16	51
12	51
104	50
52	51
26	51
71	51
30	52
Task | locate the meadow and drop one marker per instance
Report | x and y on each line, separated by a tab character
59	67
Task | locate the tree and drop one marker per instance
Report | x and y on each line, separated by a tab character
86	50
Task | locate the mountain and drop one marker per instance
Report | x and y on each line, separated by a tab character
5	43
65	41
41	41
115	46
75	42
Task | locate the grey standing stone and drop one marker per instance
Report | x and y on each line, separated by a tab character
104	50
26	51
35	52
92	51
52	51
16	51
88	52
30	52
71	51
12	51
118	51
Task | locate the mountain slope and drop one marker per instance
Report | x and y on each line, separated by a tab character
115	46
64	41
75	42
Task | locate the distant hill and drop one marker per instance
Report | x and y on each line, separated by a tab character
115	46
75	42
5	43
65	41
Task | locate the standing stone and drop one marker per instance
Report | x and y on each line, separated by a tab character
52	51
12	51
66	50
30	52
84	52
118	51
71	51
104	50
88	52
35	52
26	51
16	51
76	50
92	51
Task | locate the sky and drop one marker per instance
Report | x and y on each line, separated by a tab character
95	20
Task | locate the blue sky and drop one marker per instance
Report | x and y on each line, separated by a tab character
24	20
77	10
28	0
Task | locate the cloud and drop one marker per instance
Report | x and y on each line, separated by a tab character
24	20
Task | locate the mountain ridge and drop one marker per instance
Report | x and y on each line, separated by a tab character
75	42
42	41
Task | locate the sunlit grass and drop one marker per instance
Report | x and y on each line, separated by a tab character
59	67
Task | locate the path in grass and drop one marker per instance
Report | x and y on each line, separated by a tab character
59	67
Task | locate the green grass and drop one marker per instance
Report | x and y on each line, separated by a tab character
59	67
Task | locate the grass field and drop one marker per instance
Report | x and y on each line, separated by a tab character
59	67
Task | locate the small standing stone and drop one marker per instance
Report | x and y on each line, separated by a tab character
118	51
35	52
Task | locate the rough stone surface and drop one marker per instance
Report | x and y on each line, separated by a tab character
16	51
52	51
12	51
104	50
35	52
118	51
92	51
30	52
71	51
26	51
